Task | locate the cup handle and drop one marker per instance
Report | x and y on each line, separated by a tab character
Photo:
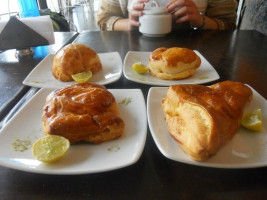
155	3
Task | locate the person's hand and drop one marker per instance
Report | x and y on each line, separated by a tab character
136	12
185	11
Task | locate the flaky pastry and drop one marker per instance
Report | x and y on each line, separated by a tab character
203	119
82	112
173	63
73	59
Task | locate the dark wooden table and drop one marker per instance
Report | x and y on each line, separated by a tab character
13	70
237	56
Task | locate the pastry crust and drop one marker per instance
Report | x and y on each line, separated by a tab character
73	59
203	119
82	112
173	63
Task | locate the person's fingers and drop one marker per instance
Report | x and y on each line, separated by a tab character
184	10
142	1
134	23
138	6
135	13
185	14
174	4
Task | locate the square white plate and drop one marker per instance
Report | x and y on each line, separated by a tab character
41	76
246	150
204	74
84	157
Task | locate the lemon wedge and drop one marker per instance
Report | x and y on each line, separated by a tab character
82	77
49	149
140	68
253	120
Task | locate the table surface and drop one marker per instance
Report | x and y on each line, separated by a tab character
236	55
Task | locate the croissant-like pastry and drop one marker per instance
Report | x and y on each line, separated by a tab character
203	119
75	58
82	112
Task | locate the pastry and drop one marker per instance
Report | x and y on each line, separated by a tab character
82	112
173	63
203	119
73	59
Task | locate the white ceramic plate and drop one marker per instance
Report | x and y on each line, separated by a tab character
41	76
246	150
204	74
83	158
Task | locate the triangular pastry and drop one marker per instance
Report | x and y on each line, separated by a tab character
203	119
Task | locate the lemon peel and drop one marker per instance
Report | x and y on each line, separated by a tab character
252	120
140	68
50	149
82	77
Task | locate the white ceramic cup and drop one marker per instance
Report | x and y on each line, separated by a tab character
155	22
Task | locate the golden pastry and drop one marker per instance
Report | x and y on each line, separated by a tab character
203	119
73	59
173	63
82	112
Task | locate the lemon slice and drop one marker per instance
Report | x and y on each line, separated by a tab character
140	68
82	77
50	148
253	120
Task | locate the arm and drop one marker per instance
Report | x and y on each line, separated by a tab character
223	12
113	15
133	20
220	14
110	11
